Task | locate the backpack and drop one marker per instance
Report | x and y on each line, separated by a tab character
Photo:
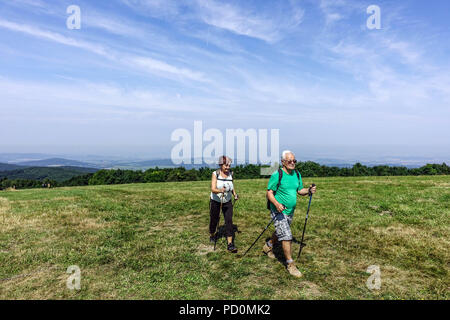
280	176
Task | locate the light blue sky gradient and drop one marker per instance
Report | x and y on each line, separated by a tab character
139	69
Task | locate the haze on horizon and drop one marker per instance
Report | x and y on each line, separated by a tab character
139	69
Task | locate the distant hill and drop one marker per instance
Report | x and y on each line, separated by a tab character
40	173
9	167
56	162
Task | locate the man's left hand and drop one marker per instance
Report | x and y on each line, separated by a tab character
312	189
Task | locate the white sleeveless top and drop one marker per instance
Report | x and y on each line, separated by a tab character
223	182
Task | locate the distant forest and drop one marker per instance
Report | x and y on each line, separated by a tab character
58	174
307	169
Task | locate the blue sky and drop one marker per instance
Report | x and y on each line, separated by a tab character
139	69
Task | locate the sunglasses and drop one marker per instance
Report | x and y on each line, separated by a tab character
290	161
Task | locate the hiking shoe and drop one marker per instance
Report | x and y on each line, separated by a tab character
292	269
231	248
268	251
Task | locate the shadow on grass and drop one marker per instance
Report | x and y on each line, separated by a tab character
279	254
221	233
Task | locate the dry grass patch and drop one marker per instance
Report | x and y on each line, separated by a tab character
14	222
421	200
4	205
30	284
176	224
310	289
441	184
79	219
203	249
43	221
371	182
402	282
398	230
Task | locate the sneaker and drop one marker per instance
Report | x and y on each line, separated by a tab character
232	248
268	251
292	269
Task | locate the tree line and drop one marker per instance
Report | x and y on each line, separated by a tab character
249	171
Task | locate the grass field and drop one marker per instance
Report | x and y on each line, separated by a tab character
151	241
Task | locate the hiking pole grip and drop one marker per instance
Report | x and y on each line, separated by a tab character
309	189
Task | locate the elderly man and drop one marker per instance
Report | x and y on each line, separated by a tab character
282	195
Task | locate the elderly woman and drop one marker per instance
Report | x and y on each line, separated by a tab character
221	192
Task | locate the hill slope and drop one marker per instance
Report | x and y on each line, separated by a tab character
40	173
9	167
150	241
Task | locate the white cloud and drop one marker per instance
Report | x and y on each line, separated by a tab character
81	97
225	16
142	63
267	26
55	37
406	51
111	25
374	64
152	65
33	3
329	9
157	8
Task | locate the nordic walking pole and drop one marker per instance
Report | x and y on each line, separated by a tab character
302	244
218	223
259	235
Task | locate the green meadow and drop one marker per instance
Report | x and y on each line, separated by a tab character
151	241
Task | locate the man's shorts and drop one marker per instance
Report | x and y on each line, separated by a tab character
282	225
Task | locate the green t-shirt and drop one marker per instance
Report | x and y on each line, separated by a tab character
287	192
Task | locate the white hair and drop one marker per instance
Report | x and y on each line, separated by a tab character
285	153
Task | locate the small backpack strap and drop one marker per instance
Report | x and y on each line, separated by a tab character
220	179
298	177
280	176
